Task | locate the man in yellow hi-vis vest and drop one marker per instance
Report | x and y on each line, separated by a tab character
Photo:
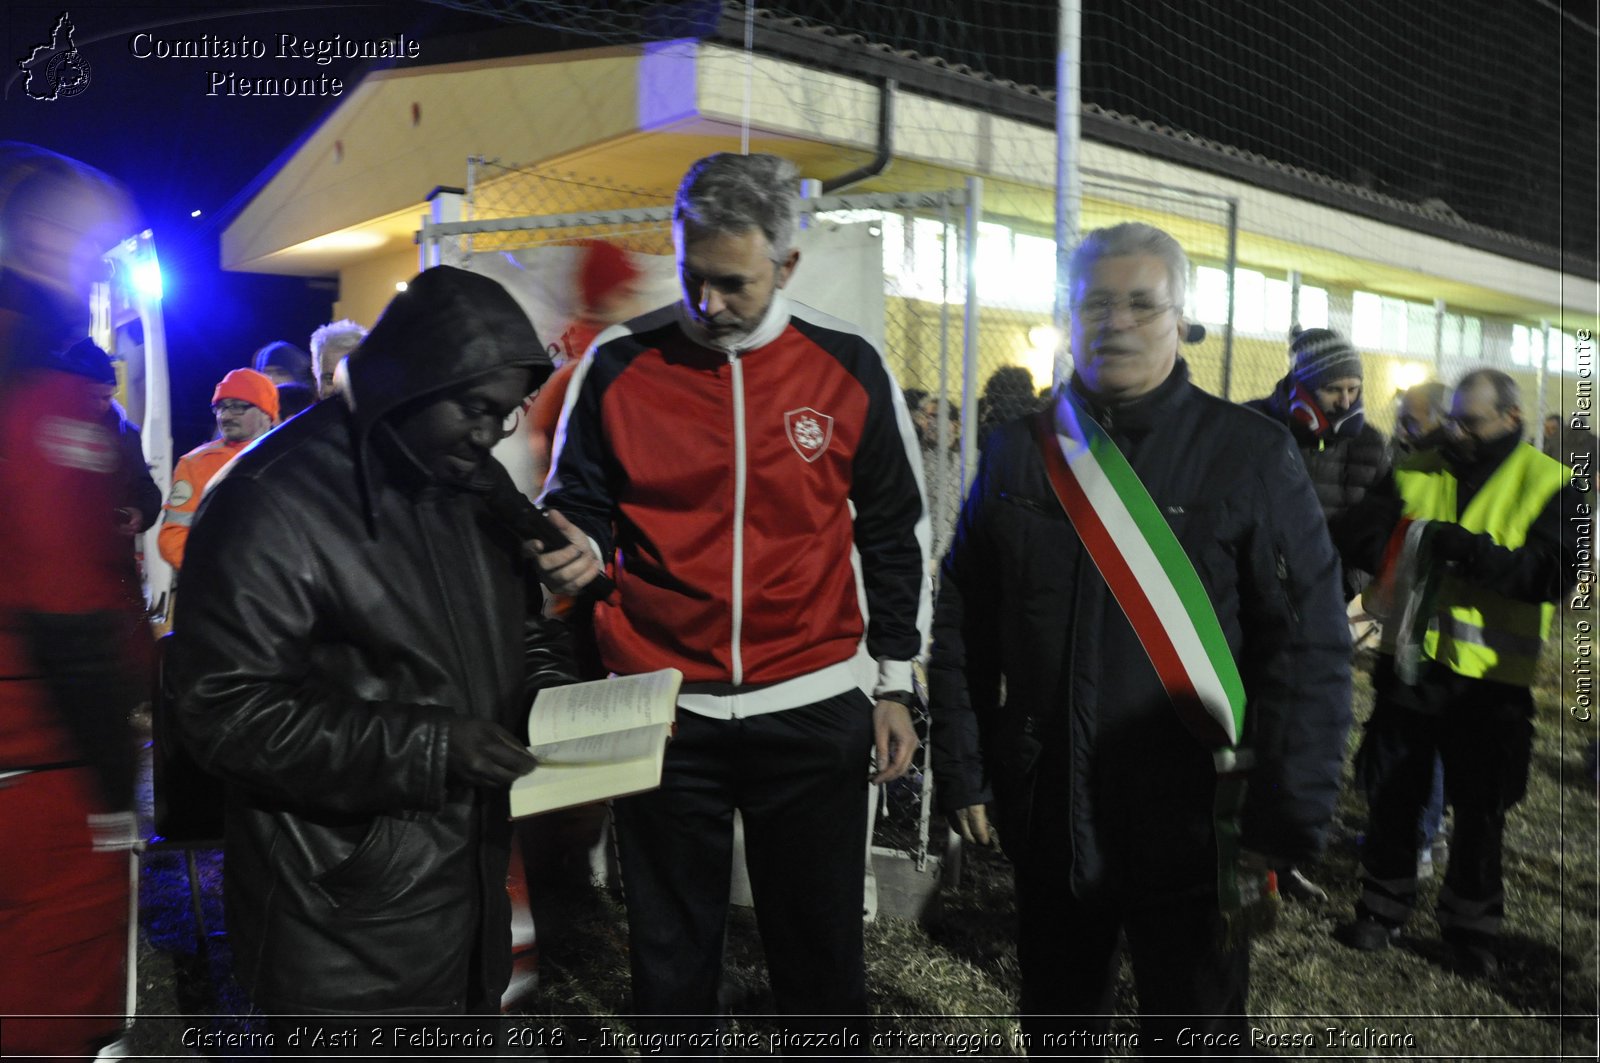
1489	564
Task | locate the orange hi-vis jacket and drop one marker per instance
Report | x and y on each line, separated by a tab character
195	470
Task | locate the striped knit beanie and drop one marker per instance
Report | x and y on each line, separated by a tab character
1322	355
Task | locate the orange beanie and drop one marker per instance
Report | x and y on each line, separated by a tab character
251	387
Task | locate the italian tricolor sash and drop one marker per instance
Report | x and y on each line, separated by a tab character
1152	579
1156	586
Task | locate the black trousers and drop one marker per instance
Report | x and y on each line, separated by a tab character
1483	732
798	777
1187	982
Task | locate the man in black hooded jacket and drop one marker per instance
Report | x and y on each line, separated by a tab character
359	646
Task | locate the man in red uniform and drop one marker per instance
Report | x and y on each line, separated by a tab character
67	624
67	621
246	406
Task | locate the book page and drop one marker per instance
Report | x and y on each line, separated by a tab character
551	787
605	705
601	748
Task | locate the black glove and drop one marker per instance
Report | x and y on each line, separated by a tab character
482	753
1451	542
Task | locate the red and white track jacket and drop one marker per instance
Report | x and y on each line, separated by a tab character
740	492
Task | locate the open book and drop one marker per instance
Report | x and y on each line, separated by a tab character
597	740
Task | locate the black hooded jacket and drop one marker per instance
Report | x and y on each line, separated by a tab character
341	608
1043	700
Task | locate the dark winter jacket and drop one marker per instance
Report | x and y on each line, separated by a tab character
1343	463
341	609
1086	749
138	490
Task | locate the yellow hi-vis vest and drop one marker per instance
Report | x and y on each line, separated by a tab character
1477	632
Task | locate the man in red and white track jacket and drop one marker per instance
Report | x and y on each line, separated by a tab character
738	456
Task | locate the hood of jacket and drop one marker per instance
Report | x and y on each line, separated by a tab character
447	329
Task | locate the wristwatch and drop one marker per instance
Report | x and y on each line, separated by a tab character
899	697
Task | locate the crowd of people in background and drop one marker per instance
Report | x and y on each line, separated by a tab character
1137	617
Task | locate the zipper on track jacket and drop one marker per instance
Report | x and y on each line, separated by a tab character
739	469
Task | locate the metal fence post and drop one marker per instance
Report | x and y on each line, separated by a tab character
969	338
444	205
1227	328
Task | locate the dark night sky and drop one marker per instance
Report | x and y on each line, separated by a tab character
149	123
1486	104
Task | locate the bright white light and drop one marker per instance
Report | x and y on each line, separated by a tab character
400	286
1047	337
1409	375
147	280
194	214
1041	365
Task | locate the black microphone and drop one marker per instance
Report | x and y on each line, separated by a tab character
1196	333
527	521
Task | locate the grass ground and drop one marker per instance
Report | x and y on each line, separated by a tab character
958	977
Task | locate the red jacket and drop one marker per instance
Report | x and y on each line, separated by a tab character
729	478
59	475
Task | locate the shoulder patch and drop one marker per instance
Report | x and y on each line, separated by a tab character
182	491
77	444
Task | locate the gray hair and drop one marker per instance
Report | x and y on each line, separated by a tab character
333	341
728	193
1132	238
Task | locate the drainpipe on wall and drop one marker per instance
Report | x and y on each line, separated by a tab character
885	153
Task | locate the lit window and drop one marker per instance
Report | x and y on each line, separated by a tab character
1275	307
1420	327
994	258
927	261
1472	338
1209	298
1313	307
1034	269
1522	346
1563	353
1248	301
1366	320
1394	325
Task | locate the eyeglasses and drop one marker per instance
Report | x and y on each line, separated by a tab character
504	426
232	406
1141	310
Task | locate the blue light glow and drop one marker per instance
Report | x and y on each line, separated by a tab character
147	279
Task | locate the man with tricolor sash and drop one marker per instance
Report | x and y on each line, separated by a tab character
1468	539
1145	572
